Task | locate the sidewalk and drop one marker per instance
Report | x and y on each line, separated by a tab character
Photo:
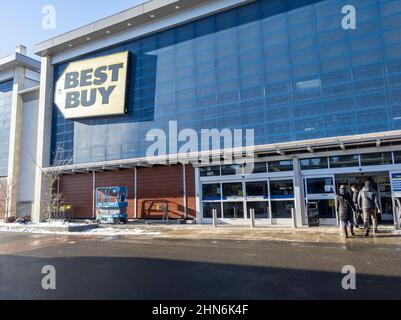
324	234
276	233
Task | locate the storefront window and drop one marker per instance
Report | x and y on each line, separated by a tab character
278	166
232	169
373	159
211	191
320	185
344	161
232	190
282	209
259	167
233	210
208	208
397	156
282	189
210	171
257	189
314	163
261	209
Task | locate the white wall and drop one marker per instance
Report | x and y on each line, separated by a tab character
28	151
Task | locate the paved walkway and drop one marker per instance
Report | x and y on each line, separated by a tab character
329	234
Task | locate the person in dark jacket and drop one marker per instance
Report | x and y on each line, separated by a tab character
368	201
358	213
345	211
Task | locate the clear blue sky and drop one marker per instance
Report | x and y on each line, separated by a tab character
21	20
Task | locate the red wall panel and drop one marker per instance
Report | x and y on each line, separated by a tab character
77	191
156	185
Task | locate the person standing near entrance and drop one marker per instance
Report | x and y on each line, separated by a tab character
345	211
357	212
368	201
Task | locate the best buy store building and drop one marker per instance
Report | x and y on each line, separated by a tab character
324	103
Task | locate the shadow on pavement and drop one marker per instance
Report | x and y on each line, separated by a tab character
147	278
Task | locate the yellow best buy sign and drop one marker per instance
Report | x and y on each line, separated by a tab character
93	88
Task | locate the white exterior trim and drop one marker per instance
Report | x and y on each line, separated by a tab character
210	7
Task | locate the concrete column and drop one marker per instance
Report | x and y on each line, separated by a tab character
44	136
299	195
17	110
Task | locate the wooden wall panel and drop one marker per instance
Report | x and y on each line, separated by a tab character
164	184
77	191
155	185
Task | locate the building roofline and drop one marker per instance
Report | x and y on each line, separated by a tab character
139	15
18	59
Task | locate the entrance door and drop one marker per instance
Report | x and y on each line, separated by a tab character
395	180
320	192
386	201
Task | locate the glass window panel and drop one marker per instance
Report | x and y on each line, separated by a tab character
344	161
232	169
320	185
257	189
380	158
232	190
283	165
211	191
314	163
282	189
209	171
295	50
233	210
259	167
326	209
6	86
261	209
282	209
208	208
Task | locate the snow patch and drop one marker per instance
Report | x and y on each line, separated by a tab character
41	229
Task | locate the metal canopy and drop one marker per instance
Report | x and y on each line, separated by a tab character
286	150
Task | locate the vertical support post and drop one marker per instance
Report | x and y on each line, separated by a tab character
94	194
166	213
136	193
199	210
252	213
214	213
184	190
294	219
58	198
299	212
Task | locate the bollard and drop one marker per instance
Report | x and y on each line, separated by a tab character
165	214
252	212
214	213
294	218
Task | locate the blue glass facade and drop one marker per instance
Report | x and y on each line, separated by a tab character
285	68
5	121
